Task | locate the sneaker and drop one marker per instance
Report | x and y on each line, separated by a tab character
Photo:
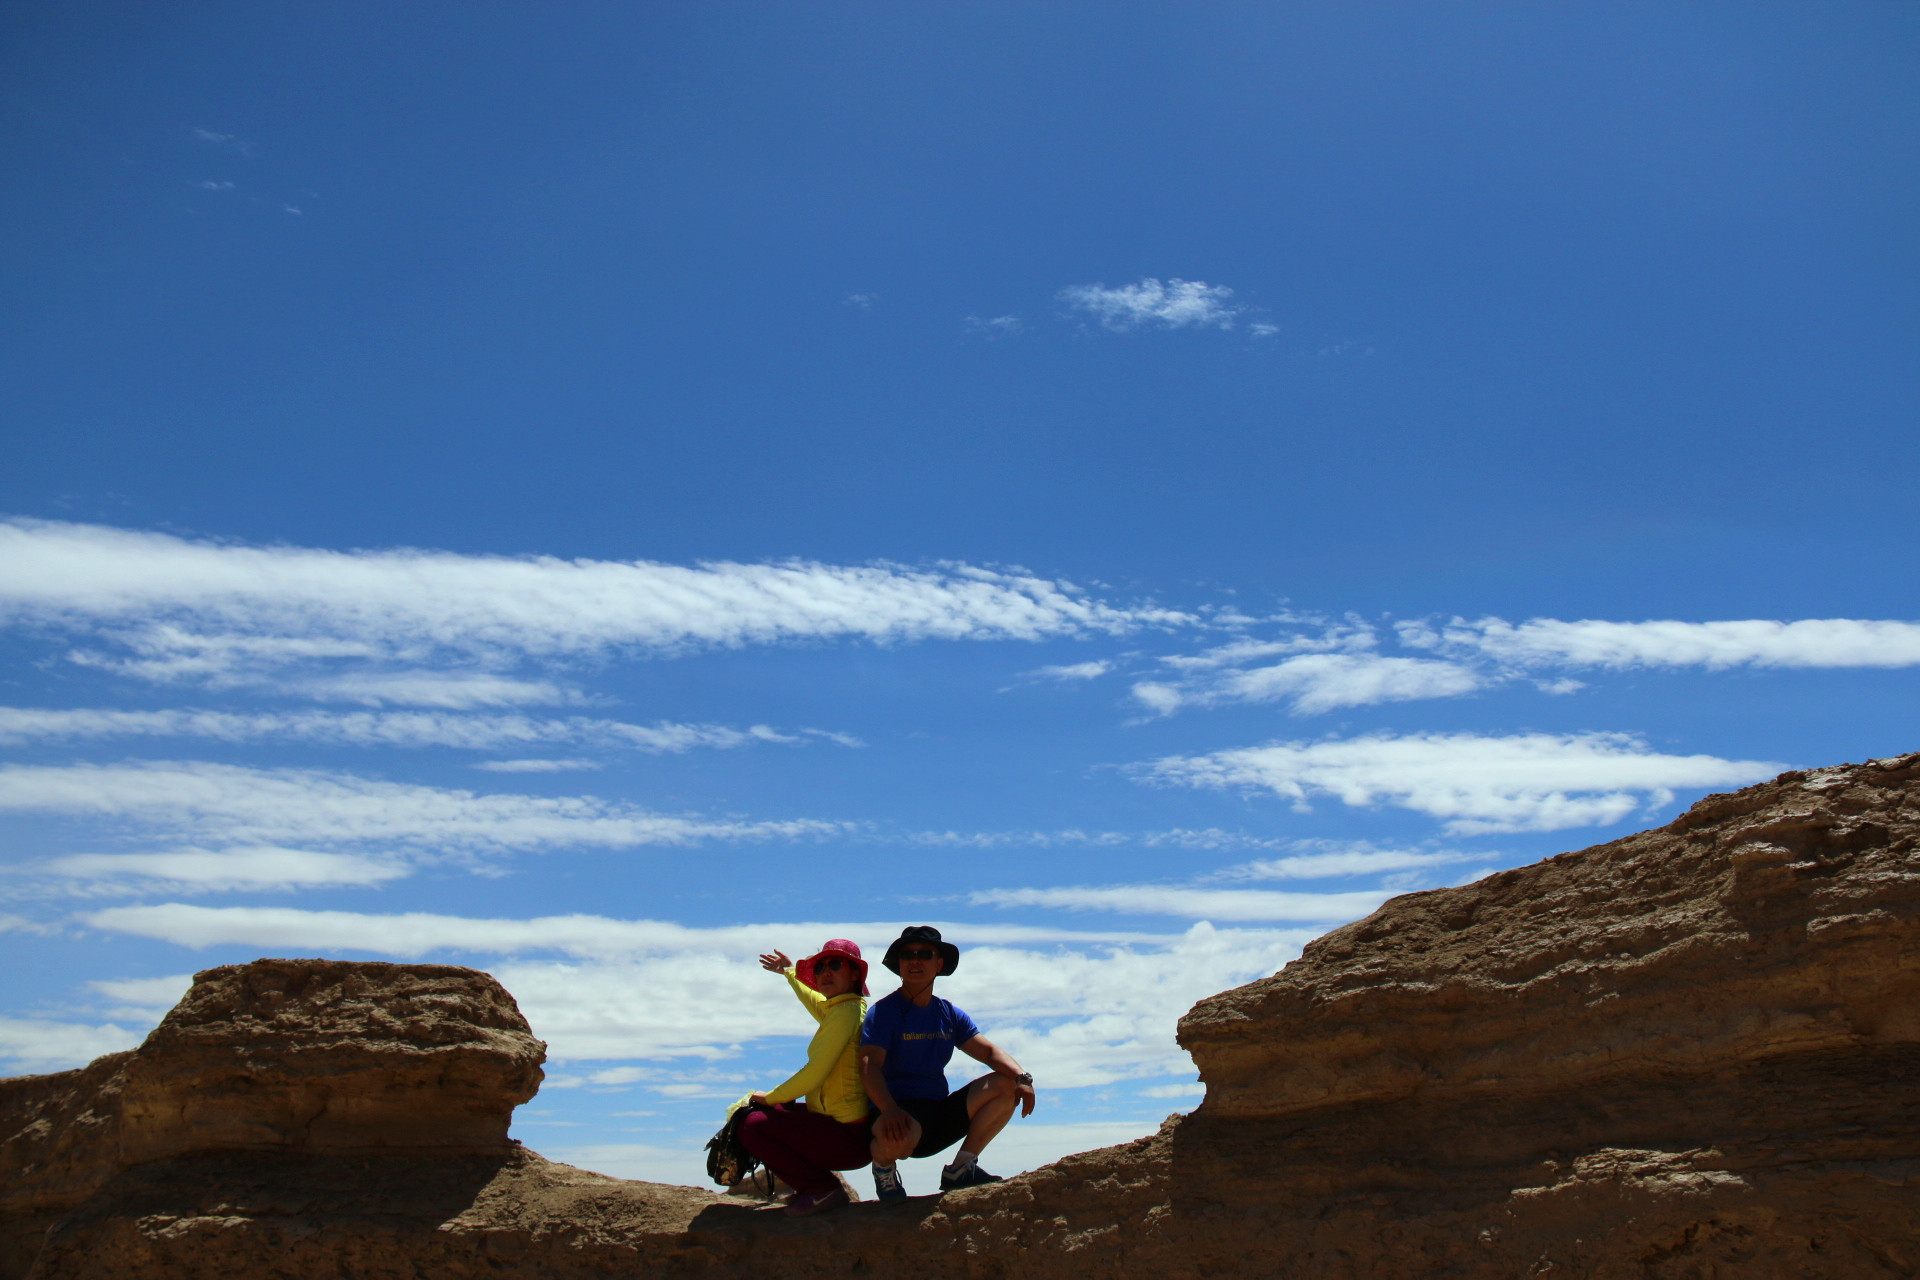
887	1184
817	1202
972	1176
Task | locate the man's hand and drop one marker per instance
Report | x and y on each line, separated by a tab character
777	962
1024	1092
894	1125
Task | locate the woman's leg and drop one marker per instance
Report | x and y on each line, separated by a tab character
794	1143
847	1147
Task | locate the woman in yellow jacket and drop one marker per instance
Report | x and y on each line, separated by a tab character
804	1144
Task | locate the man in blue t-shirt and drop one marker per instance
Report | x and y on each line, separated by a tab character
905	1044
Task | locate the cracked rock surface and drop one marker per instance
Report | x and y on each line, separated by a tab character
1693	1052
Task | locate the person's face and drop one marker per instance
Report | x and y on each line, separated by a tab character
833	975
919	963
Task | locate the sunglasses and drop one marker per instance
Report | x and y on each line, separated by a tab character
918	953
832	964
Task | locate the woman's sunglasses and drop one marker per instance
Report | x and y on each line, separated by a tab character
917	953
832	964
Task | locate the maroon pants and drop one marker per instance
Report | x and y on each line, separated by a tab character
802	1146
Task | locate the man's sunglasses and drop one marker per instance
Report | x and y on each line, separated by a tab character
918	953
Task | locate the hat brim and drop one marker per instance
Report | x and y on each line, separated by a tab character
949	954
803	969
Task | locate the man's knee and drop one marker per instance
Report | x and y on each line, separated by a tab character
988	1091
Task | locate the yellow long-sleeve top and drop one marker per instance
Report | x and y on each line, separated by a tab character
831	1079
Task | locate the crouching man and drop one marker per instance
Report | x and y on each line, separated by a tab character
905	1044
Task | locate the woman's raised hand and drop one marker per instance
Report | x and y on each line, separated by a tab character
776	963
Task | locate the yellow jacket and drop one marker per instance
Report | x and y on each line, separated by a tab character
831	1078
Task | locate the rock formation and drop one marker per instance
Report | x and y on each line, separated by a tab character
1693	1052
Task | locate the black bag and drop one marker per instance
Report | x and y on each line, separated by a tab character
729	1163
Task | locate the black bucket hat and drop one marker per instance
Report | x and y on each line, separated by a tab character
949	954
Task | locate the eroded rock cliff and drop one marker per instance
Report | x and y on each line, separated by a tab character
1693	1052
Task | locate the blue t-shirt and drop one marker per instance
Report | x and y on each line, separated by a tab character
919	1039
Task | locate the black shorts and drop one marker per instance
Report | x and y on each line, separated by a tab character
943	1121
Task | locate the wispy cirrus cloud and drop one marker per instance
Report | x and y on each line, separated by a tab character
21	725
1150	303
227	805
1315	683
1811	642
1474	783
176	608
216	870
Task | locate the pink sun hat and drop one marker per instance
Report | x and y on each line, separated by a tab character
803	970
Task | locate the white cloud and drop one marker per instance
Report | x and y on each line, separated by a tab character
1315	683
224	140
995	326
211	870
1355	859
1192	903
1318	682
1193	1089
188	609
33	1045
414	934
160	993
864	301
1523	782
539	766
1079	1007
1176	304
1075	671
228	804
452	690
1813	642
1158	697
382	729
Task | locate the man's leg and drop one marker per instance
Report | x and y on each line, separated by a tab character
885	1154
886	1178
990	1103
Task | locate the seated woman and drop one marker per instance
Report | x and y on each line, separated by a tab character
804	1144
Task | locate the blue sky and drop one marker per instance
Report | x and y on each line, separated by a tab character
599	492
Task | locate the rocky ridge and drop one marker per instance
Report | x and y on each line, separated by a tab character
1691	1052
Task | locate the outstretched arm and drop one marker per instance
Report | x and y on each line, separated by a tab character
777	962
1002	1063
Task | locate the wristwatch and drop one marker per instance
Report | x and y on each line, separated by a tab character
1024	1078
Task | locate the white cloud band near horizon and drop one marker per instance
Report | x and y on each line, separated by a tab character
1474	783
1077	1007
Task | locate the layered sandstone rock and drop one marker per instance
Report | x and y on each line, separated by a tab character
319	1055
1777	921
1691	1053
281	1056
